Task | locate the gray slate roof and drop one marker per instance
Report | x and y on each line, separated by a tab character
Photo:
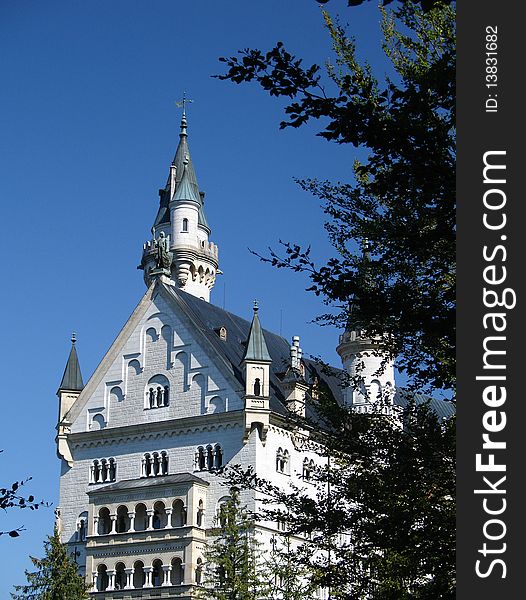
209	319
182	154
256	346
72	378
148	482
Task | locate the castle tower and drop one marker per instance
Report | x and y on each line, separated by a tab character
256	366
68	392
180	251
370	369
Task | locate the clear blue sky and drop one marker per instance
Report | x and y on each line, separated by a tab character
88	127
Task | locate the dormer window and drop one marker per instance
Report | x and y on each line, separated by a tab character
185	225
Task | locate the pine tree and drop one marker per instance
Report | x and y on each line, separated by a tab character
289	578
56	577
233	569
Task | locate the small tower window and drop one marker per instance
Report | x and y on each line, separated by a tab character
257	387
185	224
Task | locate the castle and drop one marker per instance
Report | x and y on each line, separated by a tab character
185	389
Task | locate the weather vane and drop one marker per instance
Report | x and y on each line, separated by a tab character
182	103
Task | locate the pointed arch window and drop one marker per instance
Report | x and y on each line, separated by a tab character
185	225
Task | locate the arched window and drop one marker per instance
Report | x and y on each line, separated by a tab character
209	458
218	456
104	526
139	576
160	518
222	511
82	526
257	387
282	461
102	578
176	576
120	576
200	513
178	514
308	467
200	459
157	393
154	464
103	470
199	571
123	520
157	573
141	517
185	224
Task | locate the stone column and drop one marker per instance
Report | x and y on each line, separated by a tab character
150	514
129	578
166	572
113	523
95	525
94	576
131	515
111	585
169	512
143	467
148	572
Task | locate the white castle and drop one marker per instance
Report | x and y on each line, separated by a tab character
185	389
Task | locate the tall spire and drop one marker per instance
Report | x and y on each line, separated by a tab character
72	378
256	345
184	256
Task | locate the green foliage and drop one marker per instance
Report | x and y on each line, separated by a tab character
56	577
380	521
233	562
288	577
402	199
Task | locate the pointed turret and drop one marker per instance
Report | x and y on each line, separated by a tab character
69	390
190	260
256	346
72	378
256	366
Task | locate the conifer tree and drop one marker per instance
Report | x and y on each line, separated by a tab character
56	577
233	569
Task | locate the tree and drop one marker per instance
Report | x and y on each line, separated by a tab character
402	200
233	570
288	577
56	577
381	522
10	497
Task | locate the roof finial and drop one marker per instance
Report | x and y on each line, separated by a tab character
256	307
182	104
73	337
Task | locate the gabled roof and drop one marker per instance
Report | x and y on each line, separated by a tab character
72	378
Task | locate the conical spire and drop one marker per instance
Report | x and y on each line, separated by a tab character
72	378
185	190
183	165
256	345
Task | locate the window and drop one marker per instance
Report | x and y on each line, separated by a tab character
157	393
282	461
103	470
308	468
185	224
209	458
257	387
154	464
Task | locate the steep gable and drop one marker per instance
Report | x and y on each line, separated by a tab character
159	368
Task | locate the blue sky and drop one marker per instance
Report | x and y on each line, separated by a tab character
88	129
